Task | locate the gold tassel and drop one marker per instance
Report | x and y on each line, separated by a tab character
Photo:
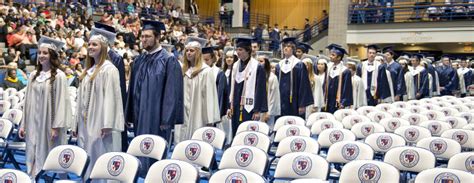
241	116
291	99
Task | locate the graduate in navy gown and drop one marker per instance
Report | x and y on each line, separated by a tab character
448	77
301	49
248	95
368	71
390	78
209	57
295	88
155	94
117	61
338	84
420	77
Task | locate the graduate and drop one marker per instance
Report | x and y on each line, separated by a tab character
155	94
424	62
403	61
295	89
417	81
390	78
229	59
100	119
466	73
321	74
210	58
316	86
47	112
368	71
434	82
201	107
301	49
358	92
248	96
273	90
338	83
117	60
448	78
255	48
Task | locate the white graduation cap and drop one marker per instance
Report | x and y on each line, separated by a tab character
275	60
352	61
266	54
168	47
380	58
103	35
195	42
50	43
323	59
403	59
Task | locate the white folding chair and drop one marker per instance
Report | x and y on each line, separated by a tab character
391	124
436	127
400	104
414	102
291	130
442	148
364	129
455	122
386	107
461	108
462	161
167	170
433	115
297	144
4	106
255	139
346	151
302	165
11	91
324	124
13	100
416	109
411	159
412	134
13	176
65	158
449	111
398	112
5	129
469	127
288	120
319	116
342	113
211	135
20	95
364	110
369	171
463	137
415	118
466	115
246	158
376	116
150	146
196	152
430	106
14	115
382	142
236	175
330	136
116	166
443	175
351	120
256	126
19	106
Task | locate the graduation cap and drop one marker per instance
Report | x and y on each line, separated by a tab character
352	61
446	56
208	50
403	59
275	60
418	56
380	57
289	40
388	49
338	49
168	47
103	35
50	43
104	27
153	25
313	58
195	42
304	47
373	46
266	54
229	51
323	59
243	41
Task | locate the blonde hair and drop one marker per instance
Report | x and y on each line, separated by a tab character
90	61
197	64
309	65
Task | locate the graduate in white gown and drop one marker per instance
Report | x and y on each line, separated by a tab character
201	107
358	89
417	79
100	117
308	61
320	71
466	74
273	91
403	61
47	111
228	62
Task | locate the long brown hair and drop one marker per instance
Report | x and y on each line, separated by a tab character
90	61
197	63
55	63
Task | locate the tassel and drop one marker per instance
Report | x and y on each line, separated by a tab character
291	99
241	116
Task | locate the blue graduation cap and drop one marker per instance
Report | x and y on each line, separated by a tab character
196	42
208	50
153	25
50	43
338	49
243	41
388	49
373	46
418	56
104	27
287	40
304	47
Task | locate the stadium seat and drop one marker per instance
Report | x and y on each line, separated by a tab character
412	134
299	165
400	105
291	130
364	129
415	118
330	136
324	124
443	175
466	115
211	135
398	112
410	159
196	152
254	126
351	120
383	142
369	171
167	170
150	146
455	122
364	110
66	158
442	148
391	124
415	109
4	106
13	100
342	113
297	144
13	176
463	137
462	161
436	127
236	175
449	111
318	116
246	158
346	151
386	107
376	116
116	166
288	120
255	139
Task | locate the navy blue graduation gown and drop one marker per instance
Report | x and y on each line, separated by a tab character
371	101
330	90
302	94
155	96
448	78
398	79
433	72
223	98
260	105
468	79
117	60
421	82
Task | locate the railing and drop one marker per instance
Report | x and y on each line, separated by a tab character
415	12
313	31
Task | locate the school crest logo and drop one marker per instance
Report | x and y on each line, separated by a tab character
385	108
290	121
193	150
171	173
298	145
367	129
429	107
446	112
116	165
302	165
434	128
438	146
467	116
350	151
412	134
366	111
293	131
326	125
345	114
409	158
384	142
9	177
336	136
447	177
470	164
452	121
369	173
209	135
244	157
414	120
415	110
398	114
251	139
431	116
146	146
355	120
322	116
460	136
252	127
236	178
394	124
379	117
66	157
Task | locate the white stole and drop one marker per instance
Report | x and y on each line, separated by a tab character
374	69
286	67
462	84
249	75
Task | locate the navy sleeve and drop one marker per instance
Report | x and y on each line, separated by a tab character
173	104
346	93
261	104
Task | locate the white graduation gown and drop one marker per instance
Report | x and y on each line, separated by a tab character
102	104
462	84
201	105
318	94
37	115
359	97
273	98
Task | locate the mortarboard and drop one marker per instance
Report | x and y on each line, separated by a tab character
373	46
289	40
338	49
388	49
208	50
418	56
403	59
304	46
229	51
168	47
352	61
195	42
266	54
104	27
313	58
153	25
275	60
50	43
323	59
102	35
243	41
